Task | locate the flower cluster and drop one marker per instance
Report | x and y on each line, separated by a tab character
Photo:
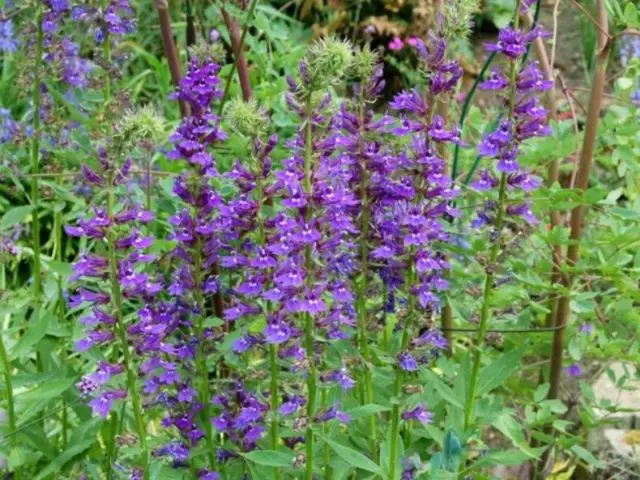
175	336
116	20
106	280
629	52
526	119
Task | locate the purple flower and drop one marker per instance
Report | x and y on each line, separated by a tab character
496	81
586	328
8	41
277	331
332	413
574	370
432	338
510	42
342	377
407	362
101	405
292	405
419	413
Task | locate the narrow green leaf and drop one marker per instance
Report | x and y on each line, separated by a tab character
15	216
270	458
494	375
587	456
366	410
353	457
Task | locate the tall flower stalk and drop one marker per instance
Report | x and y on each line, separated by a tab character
360	138
116	226
35	167
414	224
525	118
196	228
8	379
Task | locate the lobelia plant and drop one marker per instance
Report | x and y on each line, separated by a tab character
278	305
414	225
525	118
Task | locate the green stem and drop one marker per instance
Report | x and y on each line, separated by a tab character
8	381
485	315
308	319
395	412
106	50
57	229
325	431
201	359
116	294
273	349
35	163
361	300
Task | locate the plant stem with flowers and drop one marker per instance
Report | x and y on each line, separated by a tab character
35	170
489	272
308	318
525	119
8	381
116	292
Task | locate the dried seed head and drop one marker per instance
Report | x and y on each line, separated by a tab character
141	128
246	118
300	423
410	389
458	17
299	461
364	62
329	60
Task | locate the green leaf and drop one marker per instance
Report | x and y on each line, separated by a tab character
507	457
494	375
36	330
541	392
452	450
270	458
353	457
442	388
512	429
366	410
47	391
15	216
587	456
62	459
19	456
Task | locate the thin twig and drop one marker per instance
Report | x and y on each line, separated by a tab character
554	40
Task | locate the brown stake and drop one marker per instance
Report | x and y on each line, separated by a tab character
577	214
170	48
238	53
582	182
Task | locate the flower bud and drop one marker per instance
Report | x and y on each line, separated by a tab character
329	61
141	128
246	118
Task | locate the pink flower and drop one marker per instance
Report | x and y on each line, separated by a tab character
412	41
396	44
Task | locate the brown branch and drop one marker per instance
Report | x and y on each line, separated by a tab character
577	214
238	53
170	51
